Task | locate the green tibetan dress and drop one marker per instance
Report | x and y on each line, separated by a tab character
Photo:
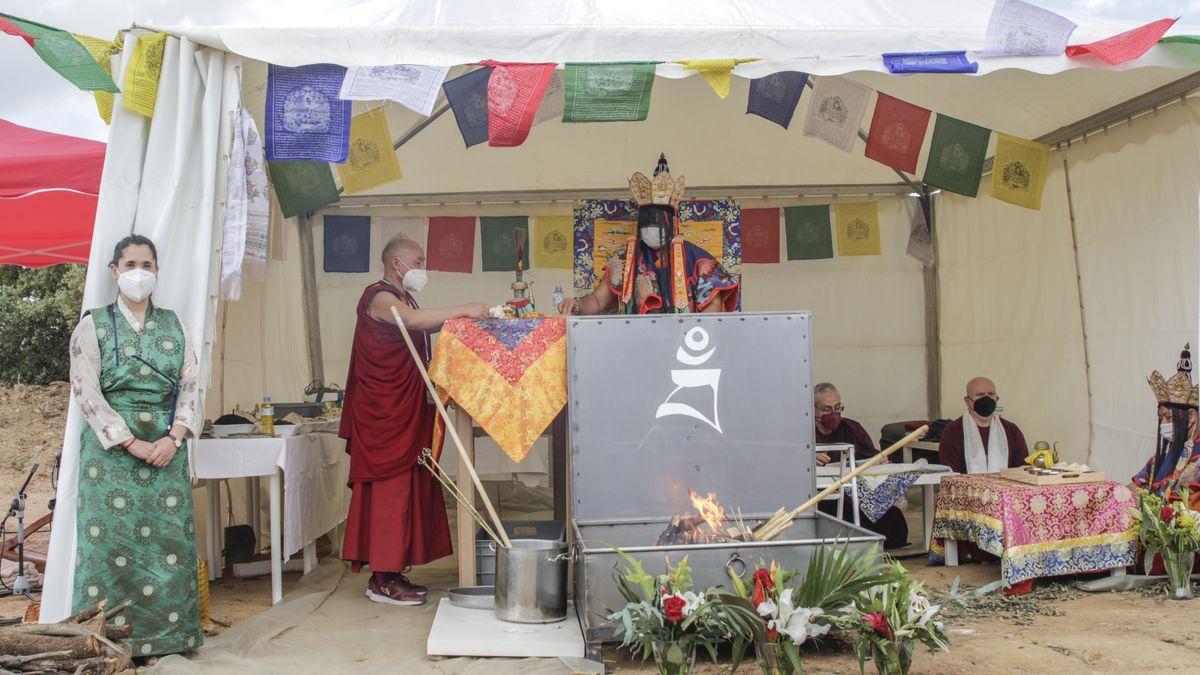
136	539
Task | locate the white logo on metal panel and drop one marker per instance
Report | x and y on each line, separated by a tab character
692	353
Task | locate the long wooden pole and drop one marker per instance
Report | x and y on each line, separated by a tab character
837	485
782	520
451	431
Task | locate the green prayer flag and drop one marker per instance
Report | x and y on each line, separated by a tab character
1187	39
809	236
499	245
302	186
62	52
608	92
956	155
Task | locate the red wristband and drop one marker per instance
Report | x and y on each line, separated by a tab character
126	444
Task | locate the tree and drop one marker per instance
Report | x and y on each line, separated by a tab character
38	310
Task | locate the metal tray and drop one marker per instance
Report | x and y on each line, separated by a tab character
473	597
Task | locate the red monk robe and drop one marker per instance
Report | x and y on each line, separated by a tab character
891	525
397	516
951	447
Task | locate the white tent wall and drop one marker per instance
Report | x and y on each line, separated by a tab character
1010	304
1135	196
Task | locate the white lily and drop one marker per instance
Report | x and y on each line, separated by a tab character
693	601
919	608
767	609
798	623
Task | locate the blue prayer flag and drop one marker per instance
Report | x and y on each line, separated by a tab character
468	98
305	117
929	62
775	96
347	243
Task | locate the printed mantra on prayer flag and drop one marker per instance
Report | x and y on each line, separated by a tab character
510	375
514	92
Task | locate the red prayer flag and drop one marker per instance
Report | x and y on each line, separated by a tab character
760	235
515	91
7	27
897	133
1125	46
451	244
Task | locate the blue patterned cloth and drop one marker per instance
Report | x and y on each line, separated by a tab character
875	501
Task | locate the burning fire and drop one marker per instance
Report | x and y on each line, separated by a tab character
710	511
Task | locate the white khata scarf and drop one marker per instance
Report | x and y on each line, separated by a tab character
980	460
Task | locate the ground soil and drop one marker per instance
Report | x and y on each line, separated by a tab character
1056	629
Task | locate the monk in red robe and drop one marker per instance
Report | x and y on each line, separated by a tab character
397	517
970	444
832	427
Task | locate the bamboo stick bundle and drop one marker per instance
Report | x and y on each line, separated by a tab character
774	526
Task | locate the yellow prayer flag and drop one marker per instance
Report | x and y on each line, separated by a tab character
101	51
552	242
372	161
857	228
718	73
141	77
707	234
1019	171
608	238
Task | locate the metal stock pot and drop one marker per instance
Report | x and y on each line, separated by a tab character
531	581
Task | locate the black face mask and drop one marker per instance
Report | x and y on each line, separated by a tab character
984	406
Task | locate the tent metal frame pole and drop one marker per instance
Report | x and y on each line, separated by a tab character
308	291
933	338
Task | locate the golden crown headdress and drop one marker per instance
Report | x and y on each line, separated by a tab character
1178	390
661	191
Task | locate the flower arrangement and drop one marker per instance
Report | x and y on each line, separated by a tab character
891	618
666	617
791	613
1169	528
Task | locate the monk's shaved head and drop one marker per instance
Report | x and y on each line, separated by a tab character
406	249
978	386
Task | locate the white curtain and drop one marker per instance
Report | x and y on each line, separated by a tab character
163	178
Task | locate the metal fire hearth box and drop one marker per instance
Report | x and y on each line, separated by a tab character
661	405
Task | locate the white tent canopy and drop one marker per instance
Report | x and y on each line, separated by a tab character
1067	308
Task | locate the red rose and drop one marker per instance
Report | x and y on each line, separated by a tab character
1167	514
673	608
879	623
763	586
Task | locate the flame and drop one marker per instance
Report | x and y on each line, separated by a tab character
710	511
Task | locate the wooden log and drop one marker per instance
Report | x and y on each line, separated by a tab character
80	617
20	643
8	661
52	629
118	633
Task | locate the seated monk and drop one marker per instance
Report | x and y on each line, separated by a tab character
833	428
967	444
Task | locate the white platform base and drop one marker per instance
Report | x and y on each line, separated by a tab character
458	631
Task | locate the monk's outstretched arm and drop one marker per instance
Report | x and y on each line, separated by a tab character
423	319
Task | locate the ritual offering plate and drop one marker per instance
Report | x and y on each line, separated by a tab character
473	597
1054	476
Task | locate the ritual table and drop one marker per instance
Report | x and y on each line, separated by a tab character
308	495
510	376
1037	531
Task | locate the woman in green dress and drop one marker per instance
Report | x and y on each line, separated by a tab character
133	372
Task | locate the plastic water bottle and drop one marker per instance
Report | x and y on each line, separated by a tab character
268	416
557	298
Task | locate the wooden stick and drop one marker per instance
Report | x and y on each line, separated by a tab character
462	452
837	485
433	468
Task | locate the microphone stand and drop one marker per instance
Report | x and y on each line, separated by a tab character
17	508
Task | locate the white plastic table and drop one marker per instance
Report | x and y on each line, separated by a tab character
827	474
308	493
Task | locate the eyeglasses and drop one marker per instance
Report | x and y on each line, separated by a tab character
830	409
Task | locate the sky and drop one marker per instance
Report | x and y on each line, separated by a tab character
37	97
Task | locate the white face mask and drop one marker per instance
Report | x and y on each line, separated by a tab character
137	285
414	279
1166	431
651	236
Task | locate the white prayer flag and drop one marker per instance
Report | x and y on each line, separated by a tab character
414	87
552	101
920	239
836	110
1020	29
247	207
